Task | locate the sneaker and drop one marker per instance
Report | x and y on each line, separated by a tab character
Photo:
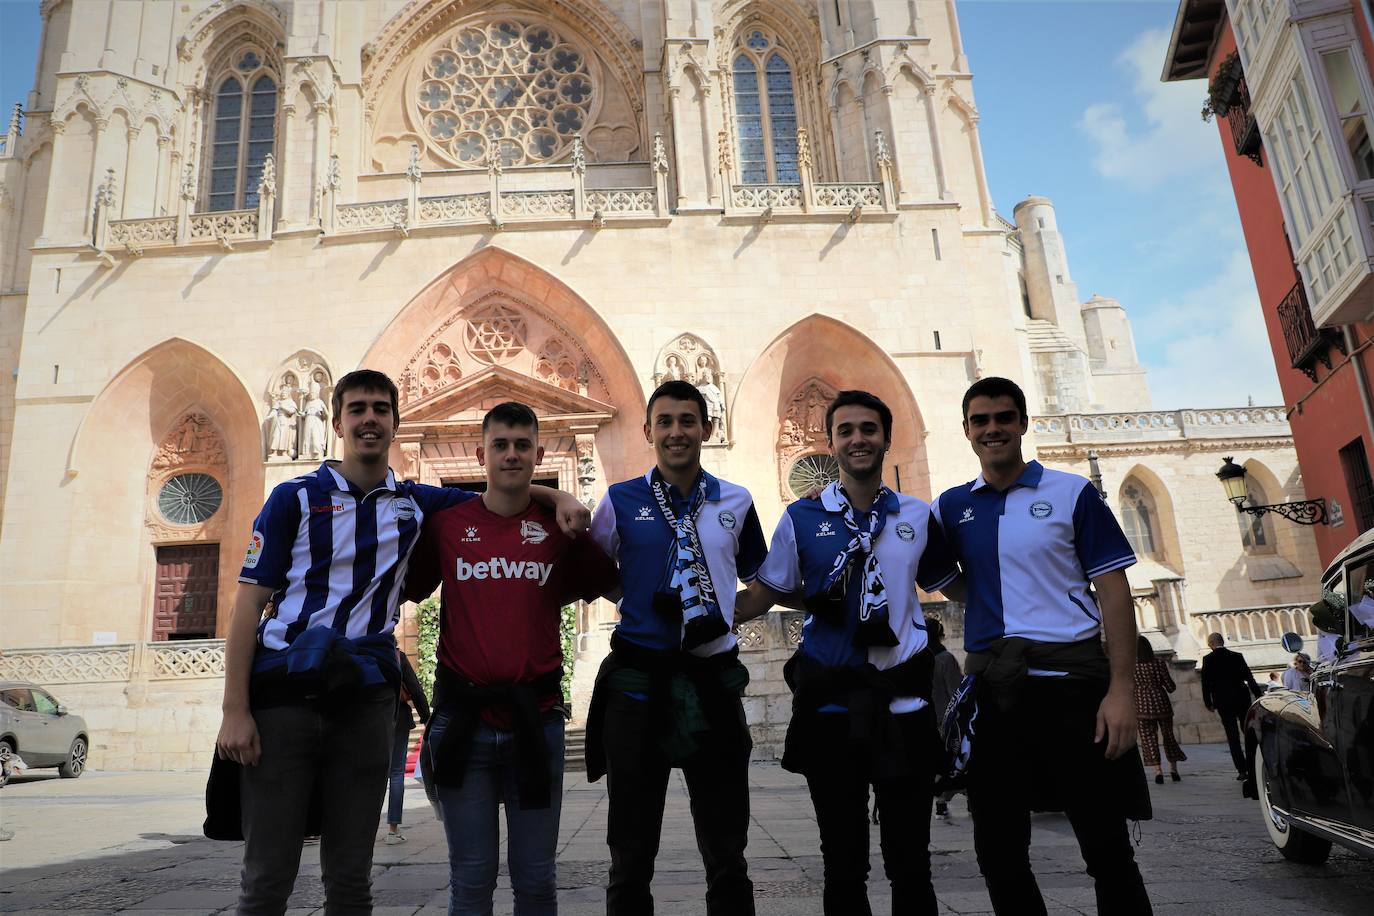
942	809
395	839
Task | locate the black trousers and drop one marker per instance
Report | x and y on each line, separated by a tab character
637	783
839	781
1230	722
1046	739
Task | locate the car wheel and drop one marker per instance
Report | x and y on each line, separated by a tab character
6	752
75	763
1293	843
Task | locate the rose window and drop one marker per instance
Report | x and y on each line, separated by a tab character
512	90
189	499
495	335
812	472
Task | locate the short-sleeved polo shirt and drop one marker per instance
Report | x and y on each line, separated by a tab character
1029	554
629	527
911	551
336	556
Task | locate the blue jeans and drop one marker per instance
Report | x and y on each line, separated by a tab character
396	788
471	821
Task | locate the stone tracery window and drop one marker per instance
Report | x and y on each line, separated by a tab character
242	130
1138	519
811	472
765	110
515	89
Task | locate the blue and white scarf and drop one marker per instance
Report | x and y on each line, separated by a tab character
874	629
691	577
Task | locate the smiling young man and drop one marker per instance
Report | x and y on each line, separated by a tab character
497	733
1043	578
310	690
669	693
861	677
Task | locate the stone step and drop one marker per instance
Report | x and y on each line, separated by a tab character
575	748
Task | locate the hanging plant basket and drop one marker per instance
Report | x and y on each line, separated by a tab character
1221	92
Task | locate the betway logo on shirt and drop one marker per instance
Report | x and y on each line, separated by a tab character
501	568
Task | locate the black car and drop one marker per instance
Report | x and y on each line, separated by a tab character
1312	752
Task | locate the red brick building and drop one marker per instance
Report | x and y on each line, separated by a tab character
1292	91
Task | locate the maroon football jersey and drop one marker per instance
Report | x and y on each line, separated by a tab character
504	581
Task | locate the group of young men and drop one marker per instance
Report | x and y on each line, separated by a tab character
1045	722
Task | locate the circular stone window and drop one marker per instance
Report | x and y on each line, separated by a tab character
189	499
812	472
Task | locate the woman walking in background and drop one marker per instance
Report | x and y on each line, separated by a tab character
411	694
1153	710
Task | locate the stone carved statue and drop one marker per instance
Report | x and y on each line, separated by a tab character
281	425
315	417
715	400
673	369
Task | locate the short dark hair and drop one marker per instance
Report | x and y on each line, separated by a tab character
1144	652
996	387
679	390
366	378
856	398
511	413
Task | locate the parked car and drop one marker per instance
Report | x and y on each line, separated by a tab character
1312	752
41	731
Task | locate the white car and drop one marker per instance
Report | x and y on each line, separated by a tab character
41	731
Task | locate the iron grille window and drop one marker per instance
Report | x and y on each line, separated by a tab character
1356	466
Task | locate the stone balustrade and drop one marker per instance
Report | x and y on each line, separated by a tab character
1153	425
1253	626
153	661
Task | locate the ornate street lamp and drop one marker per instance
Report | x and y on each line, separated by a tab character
1304	512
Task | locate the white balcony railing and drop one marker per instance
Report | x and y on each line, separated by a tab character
1253	626
155	661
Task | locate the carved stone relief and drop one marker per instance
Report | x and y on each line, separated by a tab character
499	329
689	358
194	442
299	414
801	433
187	474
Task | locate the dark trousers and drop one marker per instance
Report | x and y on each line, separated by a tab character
340	757
637	782
1015	752
1230	722
839	781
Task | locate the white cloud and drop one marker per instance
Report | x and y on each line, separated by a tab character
1208	347
1157	133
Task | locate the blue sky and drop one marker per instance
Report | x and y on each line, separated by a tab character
1072	109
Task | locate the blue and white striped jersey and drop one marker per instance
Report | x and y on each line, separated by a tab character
1029	553
336	556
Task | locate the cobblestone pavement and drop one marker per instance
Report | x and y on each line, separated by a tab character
130	842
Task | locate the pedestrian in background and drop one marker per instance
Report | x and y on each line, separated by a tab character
1299	675
1154	713
411	696
1227	689
944	685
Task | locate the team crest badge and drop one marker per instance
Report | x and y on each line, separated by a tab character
1040	509
532	533
906	532
728	520
405	509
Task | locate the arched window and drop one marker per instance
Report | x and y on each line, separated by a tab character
1138	519
1255	532
243	131
765	111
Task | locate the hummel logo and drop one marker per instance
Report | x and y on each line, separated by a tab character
968	515
645	514
824	530
471	536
